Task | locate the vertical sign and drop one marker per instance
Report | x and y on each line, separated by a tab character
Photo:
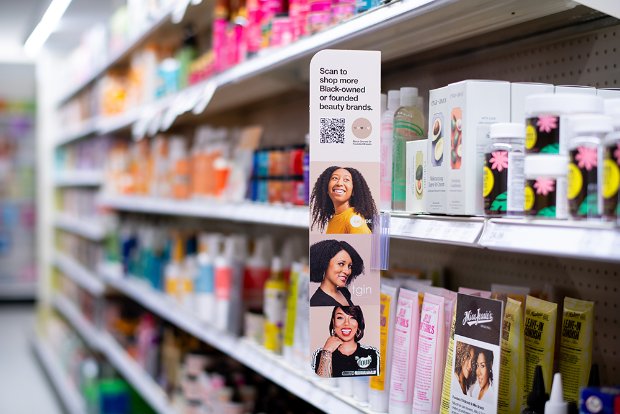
344	184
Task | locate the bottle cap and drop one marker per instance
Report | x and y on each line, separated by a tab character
546	166
408	96
393	100
537	398
590	124
556	403
558	104
507	130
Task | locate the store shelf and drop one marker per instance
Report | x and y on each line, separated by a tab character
82	326
150	391
79	274
78	179
18	291
71	399
587	240
88	228
289	216
86	129
263	362
451	230
100	125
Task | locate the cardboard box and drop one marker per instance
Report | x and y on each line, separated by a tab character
473	106
518	92
438	151
416	176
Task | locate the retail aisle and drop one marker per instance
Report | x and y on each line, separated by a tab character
24	389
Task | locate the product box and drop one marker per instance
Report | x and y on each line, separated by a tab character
518	92
575	89
599	400
438	150
416	176
608	93
473	106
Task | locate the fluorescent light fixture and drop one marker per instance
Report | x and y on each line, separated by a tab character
46	26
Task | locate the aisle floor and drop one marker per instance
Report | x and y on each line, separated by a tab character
24	388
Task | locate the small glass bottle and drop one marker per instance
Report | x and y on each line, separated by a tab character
585	168
503	175
545	186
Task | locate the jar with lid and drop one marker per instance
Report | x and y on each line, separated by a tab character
503	175
545	186
546	130
584	167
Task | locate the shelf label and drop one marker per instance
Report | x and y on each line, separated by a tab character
344	176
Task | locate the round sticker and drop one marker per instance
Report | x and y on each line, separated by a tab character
530	137
361	128
488	181
356	221
575	181
529	198
594	404
611	178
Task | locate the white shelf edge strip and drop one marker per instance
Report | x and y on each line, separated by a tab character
79	274
83	327
292	216
79	178
150	391
266	364
66	391
441	230
18	290
85	227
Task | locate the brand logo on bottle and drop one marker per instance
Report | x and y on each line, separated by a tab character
478	318
363	362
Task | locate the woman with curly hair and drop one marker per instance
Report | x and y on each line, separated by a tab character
334	264
342	201
463	377
483	388
343	355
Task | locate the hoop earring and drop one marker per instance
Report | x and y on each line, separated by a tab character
358	335
332	332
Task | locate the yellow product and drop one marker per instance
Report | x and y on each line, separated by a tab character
275	296
447	372
576	346
539	332
347	222
512	361
291	306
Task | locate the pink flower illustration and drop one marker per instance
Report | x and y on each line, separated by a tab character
499	160
617	153
586	158
544	186
547	123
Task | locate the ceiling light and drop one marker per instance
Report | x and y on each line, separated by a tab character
46	26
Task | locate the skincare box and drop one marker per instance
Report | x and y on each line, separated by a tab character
518	92
575	89
438	150
608	93
416	176
473	105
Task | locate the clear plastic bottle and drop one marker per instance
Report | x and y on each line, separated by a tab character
387	135
409	124
503	175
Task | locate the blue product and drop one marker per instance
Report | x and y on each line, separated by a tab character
205	281
599	400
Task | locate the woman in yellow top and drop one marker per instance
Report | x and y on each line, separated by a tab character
342	202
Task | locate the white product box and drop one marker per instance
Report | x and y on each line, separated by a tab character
575	89
518	92
438	150
416	176
473	106
608	93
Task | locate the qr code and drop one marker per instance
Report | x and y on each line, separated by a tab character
332	130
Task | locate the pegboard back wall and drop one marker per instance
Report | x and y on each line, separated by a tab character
558	277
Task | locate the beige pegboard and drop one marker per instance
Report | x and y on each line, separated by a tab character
557	277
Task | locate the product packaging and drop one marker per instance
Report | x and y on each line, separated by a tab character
387	135
430	356
473	105
539	332
576	341
379	393
438	147
204	286
502	292
521	90
405	349
416	176
275	307
545	186
229	269
575	89
512	363
608	93
291	311
556	403
599	400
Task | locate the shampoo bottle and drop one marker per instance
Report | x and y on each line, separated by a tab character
275	307
204	288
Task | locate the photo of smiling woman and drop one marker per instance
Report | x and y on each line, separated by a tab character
343	355
483	368
334	264
341	202
463	378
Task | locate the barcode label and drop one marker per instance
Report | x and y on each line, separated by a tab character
332	130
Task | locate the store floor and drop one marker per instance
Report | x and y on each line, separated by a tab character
24	388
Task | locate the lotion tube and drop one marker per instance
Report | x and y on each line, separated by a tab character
540	320
379	392
576	346
405	349
431	353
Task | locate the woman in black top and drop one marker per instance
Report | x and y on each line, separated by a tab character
343	355
334	264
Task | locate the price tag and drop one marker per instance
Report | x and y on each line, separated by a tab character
397	226
205	97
